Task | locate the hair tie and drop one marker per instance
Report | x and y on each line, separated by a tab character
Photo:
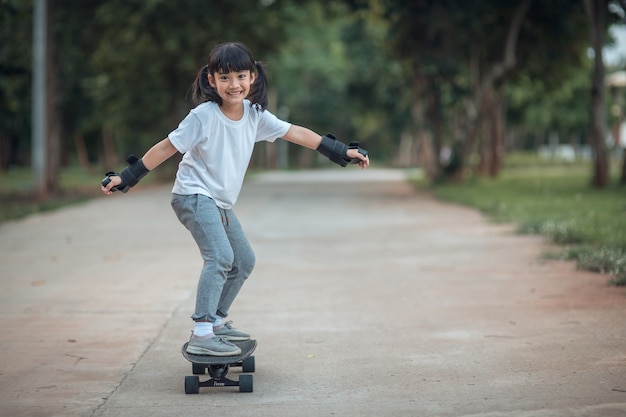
256	63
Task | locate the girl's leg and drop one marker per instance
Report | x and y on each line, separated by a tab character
242	266
206	222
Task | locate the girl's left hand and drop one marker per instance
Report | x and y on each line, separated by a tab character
364	161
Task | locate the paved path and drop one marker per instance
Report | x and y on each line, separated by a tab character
368	299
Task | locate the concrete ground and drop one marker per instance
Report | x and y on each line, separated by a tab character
368	299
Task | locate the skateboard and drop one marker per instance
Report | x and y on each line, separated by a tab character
218	367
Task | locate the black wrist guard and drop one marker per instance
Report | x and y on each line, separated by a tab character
337	151
130	175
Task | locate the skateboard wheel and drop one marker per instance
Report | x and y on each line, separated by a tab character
192	385
245	383
248	364
198	369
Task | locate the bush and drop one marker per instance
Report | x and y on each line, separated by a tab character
561	232
606	260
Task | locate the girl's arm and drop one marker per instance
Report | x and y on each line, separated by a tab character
306	137
155	156
303	137
158	154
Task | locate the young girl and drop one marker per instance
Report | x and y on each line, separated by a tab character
217	138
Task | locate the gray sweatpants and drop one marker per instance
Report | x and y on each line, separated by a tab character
227	254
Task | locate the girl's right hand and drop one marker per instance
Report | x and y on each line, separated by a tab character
115	180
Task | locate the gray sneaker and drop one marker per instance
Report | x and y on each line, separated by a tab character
228	332
211	346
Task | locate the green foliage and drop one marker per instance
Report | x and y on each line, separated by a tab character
121	67
553	43
332	74
354	67
448	52
539	108
377	95
308	70
555	201
15	69
142	70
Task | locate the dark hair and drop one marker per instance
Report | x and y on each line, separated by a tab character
225	58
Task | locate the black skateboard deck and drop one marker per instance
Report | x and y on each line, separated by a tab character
218	367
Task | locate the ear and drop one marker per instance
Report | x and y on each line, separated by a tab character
252	77
211	80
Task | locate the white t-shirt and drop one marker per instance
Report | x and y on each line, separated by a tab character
217	150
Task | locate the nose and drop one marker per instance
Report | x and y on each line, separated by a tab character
234	82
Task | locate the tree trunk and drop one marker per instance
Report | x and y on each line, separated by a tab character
496	135
424	144
496	73
110	158
436	124
408	152
53	130
39	103
491	138
622	180
5	151
81	152
426	155
597	16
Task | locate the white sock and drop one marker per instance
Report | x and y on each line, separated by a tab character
202	328
217	323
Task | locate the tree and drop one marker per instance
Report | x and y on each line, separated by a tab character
617	11
461	56
141	70
332	73
119	70
441	75
537	108
15	68
486	99
597	11
448	50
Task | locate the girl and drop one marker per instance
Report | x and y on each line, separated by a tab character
217	138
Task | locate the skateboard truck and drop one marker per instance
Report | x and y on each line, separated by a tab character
218	379
218	367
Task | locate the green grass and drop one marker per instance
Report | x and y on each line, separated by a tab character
556	201
18	199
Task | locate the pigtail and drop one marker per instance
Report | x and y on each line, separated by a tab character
201	90
258	91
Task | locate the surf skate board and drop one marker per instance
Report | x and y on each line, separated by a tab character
218	367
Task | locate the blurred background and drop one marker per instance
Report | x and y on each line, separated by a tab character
452	87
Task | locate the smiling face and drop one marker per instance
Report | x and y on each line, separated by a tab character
232	87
